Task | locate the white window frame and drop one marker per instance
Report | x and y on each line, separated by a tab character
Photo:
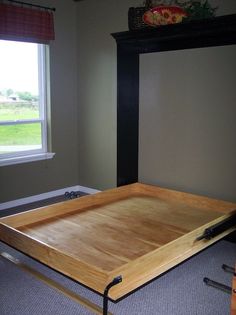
44	92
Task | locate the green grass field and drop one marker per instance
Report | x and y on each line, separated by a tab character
13	112
20	134
26	134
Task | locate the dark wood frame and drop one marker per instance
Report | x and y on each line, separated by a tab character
218	31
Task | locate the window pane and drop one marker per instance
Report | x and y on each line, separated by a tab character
21	137
23	103
19	80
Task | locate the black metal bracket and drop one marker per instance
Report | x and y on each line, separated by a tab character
114	282
218	228
71	195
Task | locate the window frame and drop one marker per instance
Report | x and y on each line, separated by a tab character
44	104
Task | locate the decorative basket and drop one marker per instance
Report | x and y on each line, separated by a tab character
135	18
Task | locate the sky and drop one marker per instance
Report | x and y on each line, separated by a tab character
19	66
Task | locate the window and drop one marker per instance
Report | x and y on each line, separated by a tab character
23	102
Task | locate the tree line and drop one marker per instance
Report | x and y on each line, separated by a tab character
24	96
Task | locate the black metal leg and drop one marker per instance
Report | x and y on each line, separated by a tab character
105	305
227	268
115	281
218	285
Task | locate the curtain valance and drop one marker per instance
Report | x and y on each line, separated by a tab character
21	23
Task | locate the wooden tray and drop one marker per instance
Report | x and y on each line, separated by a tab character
136	231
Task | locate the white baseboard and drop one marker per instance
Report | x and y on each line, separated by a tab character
55	193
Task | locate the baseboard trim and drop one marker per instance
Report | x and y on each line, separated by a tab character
55	193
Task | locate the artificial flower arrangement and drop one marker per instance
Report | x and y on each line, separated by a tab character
163	15
162	12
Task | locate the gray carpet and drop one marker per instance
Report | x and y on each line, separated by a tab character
181	291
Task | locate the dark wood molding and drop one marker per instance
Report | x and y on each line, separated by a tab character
127	116
199	33
218	31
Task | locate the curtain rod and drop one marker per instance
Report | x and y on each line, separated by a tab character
32	5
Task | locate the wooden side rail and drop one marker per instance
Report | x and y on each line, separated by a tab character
53	284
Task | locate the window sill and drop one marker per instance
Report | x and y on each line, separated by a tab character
26	158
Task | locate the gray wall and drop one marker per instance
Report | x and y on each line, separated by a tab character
97	89
27	179
187	121
187	118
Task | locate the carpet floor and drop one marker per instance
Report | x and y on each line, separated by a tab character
180	291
